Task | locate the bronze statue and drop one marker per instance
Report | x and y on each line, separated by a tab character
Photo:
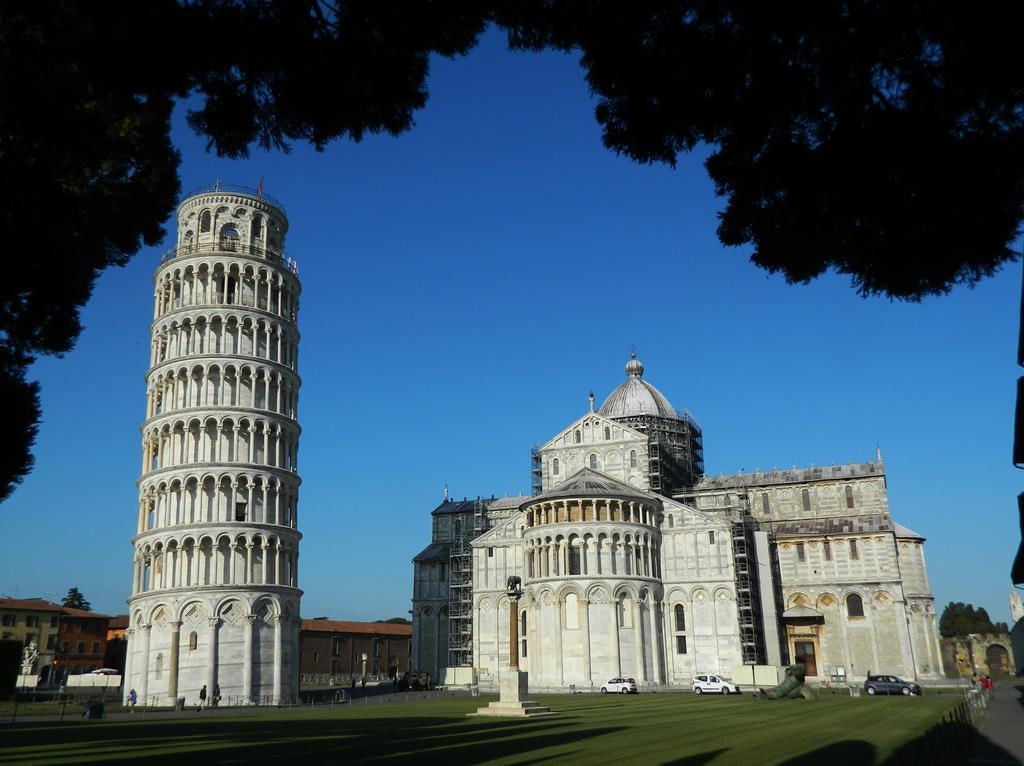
792	686
514	585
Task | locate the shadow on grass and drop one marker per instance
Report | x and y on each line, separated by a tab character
849	752
698	759
225	740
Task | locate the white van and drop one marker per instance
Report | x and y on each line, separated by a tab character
711	684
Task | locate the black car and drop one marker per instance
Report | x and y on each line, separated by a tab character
890	685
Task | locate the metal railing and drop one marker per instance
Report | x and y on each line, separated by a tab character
236	189
231	246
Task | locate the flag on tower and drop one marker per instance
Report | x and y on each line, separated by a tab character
259	189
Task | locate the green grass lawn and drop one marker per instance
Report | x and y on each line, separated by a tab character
661	729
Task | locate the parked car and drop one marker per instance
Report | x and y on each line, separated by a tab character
620	686
105	672
710	684
890	685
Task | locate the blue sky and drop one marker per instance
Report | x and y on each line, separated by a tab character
465	286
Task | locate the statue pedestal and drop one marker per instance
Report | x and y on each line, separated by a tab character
512	702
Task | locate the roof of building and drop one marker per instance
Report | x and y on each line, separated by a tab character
467	505
433	552
29	604
118	622
85	613
636	396
837	525
364	628
587	482
504	503
905	532
793	476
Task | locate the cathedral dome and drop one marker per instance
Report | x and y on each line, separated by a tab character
636	396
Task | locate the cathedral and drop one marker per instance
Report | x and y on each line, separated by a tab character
634	563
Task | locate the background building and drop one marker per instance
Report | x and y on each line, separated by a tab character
215	598
82	643
32	621
635	563
337	649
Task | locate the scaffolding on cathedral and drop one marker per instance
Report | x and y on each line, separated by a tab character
536	471
748	597
460	588
675	450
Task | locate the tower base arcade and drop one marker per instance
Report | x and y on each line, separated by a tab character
243	643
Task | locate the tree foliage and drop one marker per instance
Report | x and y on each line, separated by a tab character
396	621
960	619
880	140
75	600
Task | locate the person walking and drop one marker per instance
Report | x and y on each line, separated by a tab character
86	707
202	698
132	699
216	695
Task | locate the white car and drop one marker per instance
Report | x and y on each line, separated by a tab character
709	684
620	686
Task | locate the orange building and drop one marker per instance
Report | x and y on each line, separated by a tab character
82	643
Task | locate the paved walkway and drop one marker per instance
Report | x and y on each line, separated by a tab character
1001	742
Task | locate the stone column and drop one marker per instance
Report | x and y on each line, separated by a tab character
584	621
172	669
247	622
278	619
513	633
143	689
128	680
657	616
536	656
638	638
614	617
211	658
558	641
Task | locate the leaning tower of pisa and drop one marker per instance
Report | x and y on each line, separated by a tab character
215	598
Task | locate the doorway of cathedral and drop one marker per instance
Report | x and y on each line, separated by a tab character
803	654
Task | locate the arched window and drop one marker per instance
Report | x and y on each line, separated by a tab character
204	222
571	609
849	497
807	500
625	611
607	433
632	458
670	521
193	641
680	617
458	529
229	238
764	502
554	466
593	462
256	229
854	605
579	437
522	635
